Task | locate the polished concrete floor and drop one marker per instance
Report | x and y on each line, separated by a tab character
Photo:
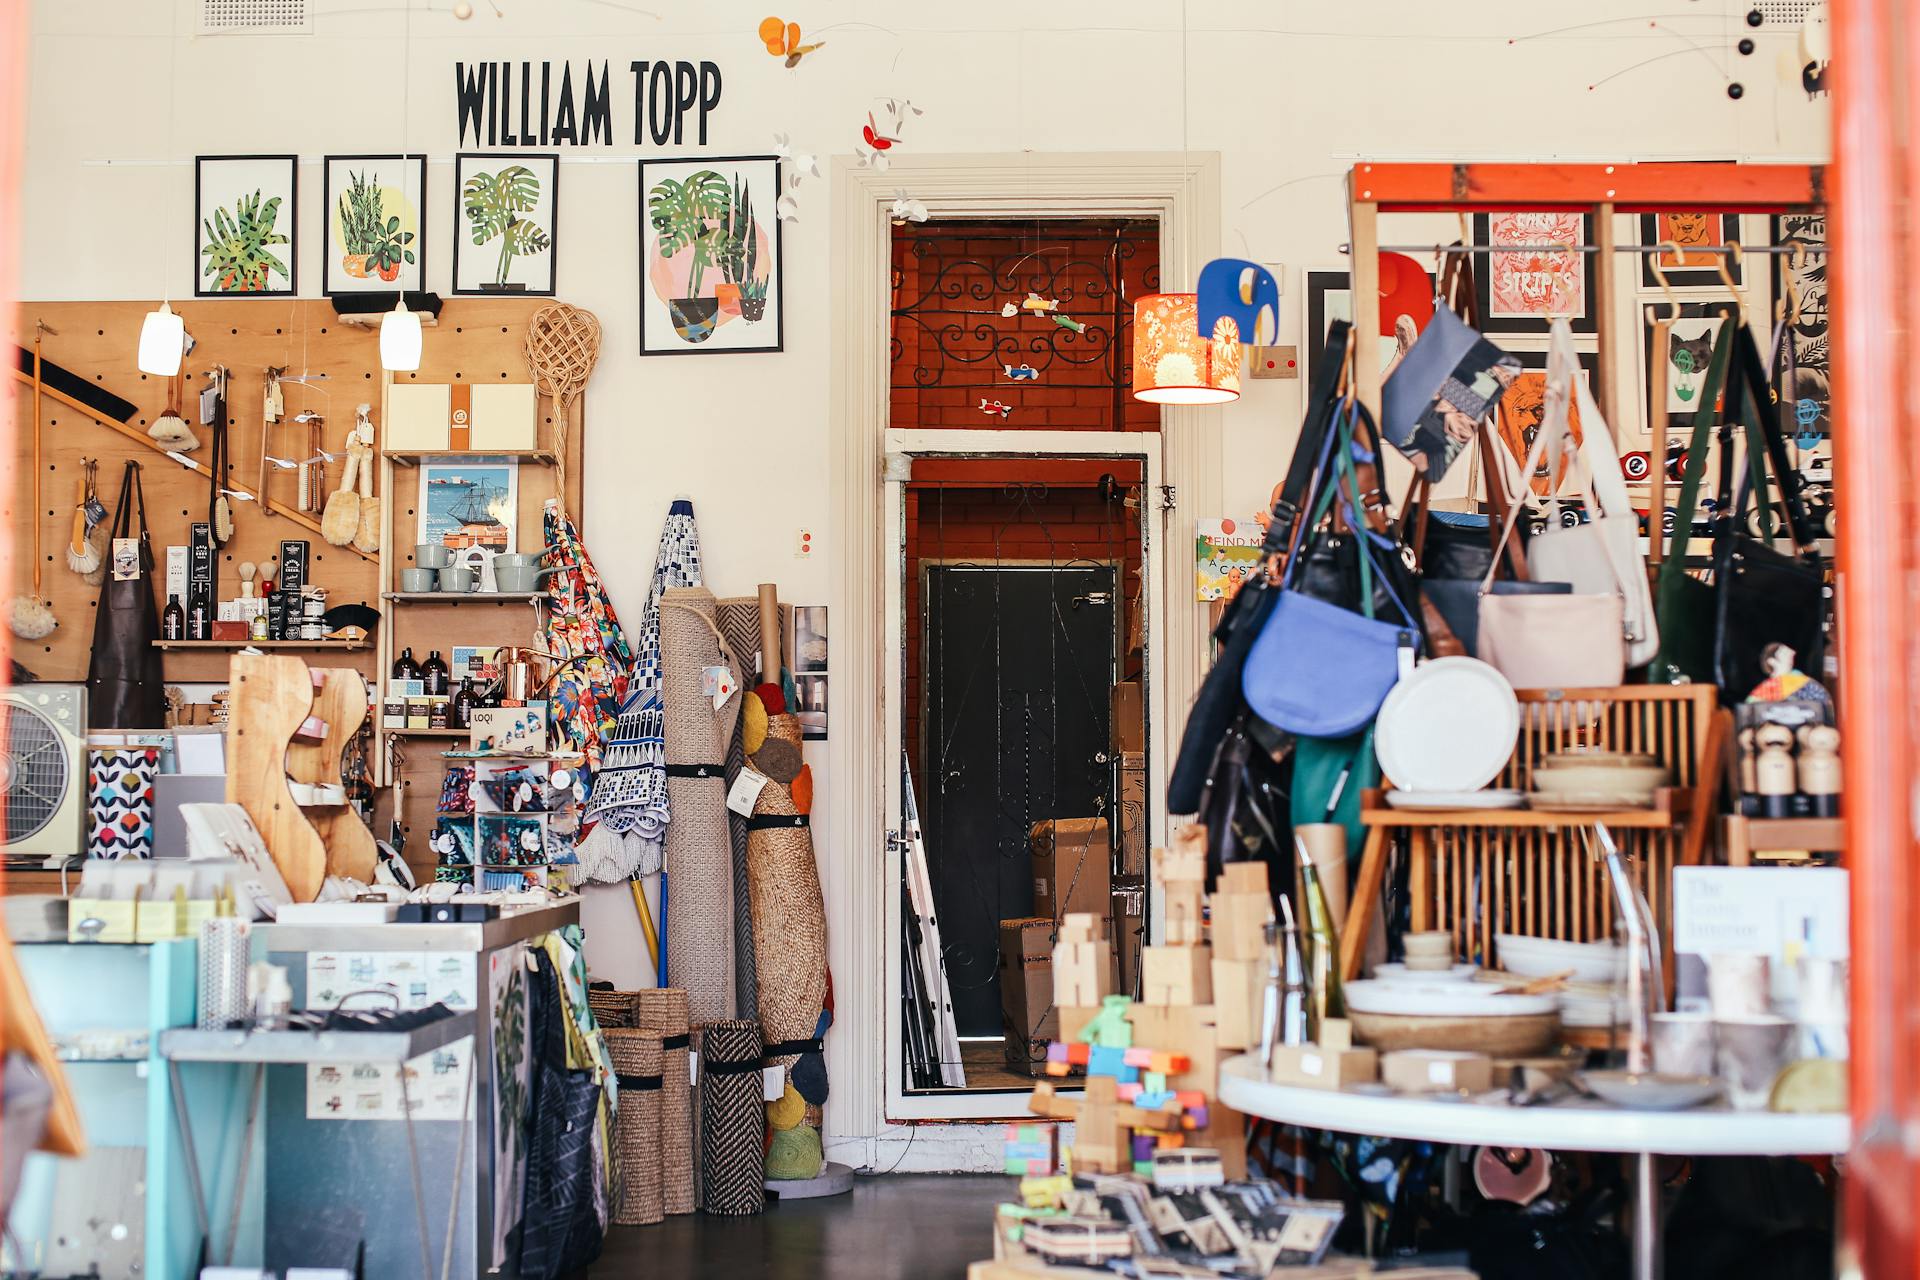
928	1226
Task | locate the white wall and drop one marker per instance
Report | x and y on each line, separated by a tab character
124	95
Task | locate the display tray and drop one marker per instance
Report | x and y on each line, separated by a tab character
191	1044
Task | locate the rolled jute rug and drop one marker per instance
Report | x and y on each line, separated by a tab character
636	1058
664	1012
699	851
610	1008
739	618
789	915
732	1119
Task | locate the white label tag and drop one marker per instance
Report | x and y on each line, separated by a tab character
717	683
1440	1073
773	1083
693	1068
126	559
745	790
1310	1064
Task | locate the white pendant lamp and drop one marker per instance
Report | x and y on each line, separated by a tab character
400	339
163	340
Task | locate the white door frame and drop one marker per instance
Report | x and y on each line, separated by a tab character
1155	543
1181	191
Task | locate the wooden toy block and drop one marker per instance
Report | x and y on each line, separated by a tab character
1175	975
1045	1102
1101	1143
1079	1054
1105	1061
1082	973
1336	1034
1244	877
1129	1093
1073	1021
1081	926
1239	989
1110	1025
1240	925
1154	1081
1182	872
1315	1066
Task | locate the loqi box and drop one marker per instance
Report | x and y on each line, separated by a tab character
438	417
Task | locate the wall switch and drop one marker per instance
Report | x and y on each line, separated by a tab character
803	545
1274	362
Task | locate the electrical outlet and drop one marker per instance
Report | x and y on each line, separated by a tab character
1274	362
803	545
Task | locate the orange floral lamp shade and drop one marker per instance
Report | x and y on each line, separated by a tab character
1172	363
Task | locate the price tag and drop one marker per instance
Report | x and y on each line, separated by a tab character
773	1083
126	559
1310	1064
718	683
745	790
1440	1072
693	1068
209	398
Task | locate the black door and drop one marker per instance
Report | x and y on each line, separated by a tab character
1018	666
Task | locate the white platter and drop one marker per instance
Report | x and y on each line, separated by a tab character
1443	1000
1400	973
1450	726
1489	799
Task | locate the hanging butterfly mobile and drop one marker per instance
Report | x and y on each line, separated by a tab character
783	40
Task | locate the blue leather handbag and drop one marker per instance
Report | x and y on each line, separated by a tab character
1318	669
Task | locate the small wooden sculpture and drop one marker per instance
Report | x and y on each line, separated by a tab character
1820	769
1786	682
1182	872
1773	770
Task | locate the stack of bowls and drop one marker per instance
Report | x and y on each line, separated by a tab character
1429	951
1587	778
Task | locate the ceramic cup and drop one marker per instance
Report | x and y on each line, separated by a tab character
457	578
1750	1053
432	555
1823	1007
419	579
1737	986
1432	949
1683	1044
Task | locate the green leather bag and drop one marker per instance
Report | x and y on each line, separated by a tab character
1684	605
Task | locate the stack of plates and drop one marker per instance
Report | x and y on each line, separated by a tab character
1444	733
1587	779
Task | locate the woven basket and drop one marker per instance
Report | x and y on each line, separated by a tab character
699	853
610	1008
732	1119
664	1012
636	1057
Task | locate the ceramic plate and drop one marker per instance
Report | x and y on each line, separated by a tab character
1595	962
1448	727
1443	1000
1588	801
1490	799
1400	973
1649	1091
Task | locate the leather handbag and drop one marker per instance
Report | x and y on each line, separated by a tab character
1763	597
1319	669
1686	606
1573	641
125	686
1220	700
1600	554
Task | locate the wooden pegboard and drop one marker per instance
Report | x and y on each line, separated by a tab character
477	339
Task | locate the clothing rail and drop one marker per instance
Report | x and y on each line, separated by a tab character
1784	250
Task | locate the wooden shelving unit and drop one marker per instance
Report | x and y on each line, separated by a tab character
341	646
1789	839
461	597
429	733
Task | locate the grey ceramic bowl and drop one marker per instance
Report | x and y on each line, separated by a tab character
419	579
432	555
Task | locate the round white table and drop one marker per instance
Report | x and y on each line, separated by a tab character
1568	1126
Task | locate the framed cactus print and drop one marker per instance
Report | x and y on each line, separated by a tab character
244	226
376	224
504	237
710	258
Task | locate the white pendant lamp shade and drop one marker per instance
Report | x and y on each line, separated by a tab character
400	339
163	340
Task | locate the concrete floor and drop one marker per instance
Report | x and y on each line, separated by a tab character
928	1226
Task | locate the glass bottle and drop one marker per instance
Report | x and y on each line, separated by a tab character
434	672
173	621
460	710
404	667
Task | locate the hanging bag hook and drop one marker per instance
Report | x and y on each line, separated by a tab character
1679	260
1726	276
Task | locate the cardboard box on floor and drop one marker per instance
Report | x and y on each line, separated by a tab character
1127	718
1072	867
1026	991
1132	808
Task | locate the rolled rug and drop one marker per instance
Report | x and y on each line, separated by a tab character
663	1011
699	855
611	1008
636	1058
789	915
732	1119
739	618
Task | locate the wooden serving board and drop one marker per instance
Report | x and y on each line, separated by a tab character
271	698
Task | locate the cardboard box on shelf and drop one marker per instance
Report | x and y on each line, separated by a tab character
1313	1066
1176	975
1436	1071
1132	808
1026	992
1126	718
1072	867
1239	990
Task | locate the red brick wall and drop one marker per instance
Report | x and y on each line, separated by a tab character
950	342
960	509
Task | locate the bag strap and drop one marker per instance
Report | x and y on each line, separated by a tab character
1553	425
1321	401
122	526
1761	419
1673	565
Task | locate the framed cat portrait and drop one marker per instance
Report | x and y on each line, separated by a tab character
1689	231
1523	285
1689	348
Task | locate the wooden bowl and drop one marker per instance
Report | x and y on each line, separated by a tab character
1513	1036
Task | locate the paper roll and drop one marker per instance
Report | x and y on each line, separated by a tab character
226	944
1326	844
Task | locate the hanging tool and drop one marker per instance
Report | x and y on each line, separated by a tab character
82	556
31	616
213	411
272	405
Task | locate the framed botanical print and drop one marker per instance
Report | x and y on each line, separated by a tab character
244	232
711	266
1526	282
504	238
376	219
1689	231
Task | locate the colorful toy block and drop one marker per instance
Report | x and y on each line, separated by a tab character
1110	1026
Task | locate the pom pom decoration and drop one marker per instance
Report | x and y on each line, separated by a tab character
771	698
753	723
803	789
787	1112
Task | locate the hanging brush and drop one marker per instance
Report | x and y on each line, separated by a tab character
82	556
96	526
31	616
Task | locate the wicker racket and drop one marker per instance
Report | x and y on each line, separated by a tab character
563	345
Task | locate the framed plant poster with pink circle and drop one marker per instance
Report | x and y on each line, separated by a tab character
710	256
1527	280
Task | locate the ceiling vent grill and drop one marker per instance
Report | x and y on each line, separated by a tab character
255	17
1783	13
